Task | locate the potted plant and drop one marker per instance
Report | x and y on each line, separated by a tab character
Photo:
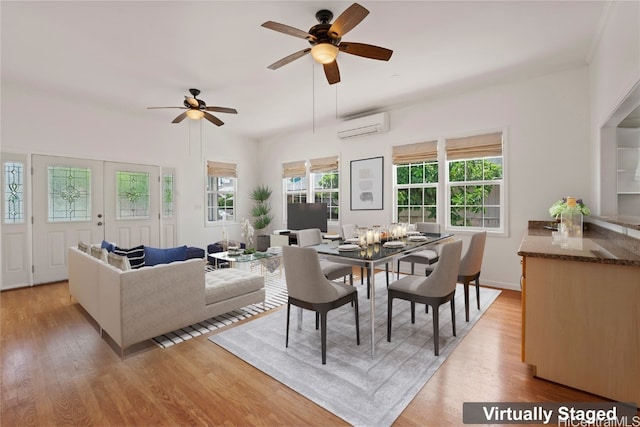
261	213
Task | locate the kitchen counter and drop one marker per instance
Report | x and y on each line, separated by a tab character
581	311
599	245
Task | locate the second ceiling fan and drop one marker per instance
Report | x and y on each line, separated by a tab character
326	40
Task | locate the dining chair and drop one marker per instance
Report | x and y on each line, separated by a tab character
309	289
332	270
425	256
433	290
470	266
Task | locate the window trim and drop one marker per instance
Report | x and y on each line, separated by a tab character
215	170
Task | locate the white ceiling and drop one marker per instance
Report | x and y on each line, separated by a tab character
133	55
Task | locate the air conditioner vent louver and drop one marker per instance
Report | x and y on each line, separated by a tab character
362	126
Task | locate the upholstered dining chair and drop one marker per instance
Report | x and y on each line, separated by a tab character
470	266
425	256
309	289
331	270
434	290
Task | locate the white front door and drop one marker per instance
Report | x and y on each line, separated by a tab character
67	208
132	207
16	262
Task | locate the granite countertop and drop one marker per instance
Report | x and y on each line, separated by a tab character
599	245
623	220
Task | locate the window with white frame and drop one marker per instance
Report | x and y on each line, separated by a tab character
416	180
325	185
475	182
294	181
221	191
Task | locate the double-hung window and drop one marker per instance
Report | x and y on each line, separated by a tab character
325	184
415	168
294	180
221	191
475	183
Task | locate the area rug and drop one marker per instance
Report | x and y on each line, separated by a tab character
275	296
362	390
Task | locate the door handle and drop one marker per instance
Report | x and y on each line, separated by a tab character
99	223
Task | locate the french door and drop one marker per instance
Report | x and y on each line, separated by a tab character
91	200
67	208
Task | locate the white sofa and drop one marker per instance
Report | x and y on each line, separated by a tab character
136	305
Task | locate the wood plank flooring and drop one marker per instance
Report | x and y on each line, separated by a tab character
57	370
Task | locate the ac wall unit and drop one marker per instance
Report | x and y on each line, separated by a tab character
368	125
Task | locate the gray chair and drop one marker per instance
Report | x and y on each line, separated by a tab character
426	256
309	289
470	266
434	290
331	270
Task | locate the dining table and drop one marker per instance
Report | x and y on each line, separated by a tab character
377	254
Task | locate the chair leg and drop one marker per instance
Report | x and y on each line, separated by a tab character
355	302
286	343
413	312
323	334
361	275
398	271
386	267
478	290
412	269
317	320
436	330
389	315
453	315
466	299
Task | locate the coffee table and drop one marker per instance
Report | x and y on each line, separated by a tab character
268	261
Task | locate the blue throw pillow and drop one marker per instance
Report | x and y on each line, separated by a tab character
108	246
154	256
135	255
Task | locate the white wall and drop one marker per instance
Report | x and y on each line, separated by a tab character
38	122
546	123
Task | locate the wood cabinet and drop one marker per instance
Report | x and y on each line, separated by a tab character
581	325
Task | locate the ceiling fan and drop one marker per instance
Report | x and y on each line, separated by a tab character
197	109
325	39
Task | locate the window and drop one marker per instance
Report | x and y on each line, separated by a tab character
294	179
69	194
326	184
475	182
13	192
168	205
416	182
132	201
221	191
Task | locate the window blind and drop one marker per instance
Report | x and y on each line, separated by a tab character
415	153
325	164
293	169
488	145
222	169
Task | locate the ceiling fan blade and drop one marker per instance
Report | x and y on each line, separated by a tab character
286	29
180	118
347	20
290	58
155	108
366	50
192	101
332	72
213	119
222	110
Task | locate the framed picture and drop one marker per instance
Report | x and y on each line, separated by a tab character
366	184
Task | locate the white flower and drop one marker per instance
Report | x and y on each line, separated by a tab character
247	231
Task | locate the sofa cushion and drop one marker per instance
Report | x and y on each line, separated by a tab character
154	256
84	247
193	252
118	261
98	252
230	282
135	255
108	246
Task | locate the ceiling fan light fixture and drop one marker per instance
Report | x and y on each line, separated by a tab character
324	53
195	114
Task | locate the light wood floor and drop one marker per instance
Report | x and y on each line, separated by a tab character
56	370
